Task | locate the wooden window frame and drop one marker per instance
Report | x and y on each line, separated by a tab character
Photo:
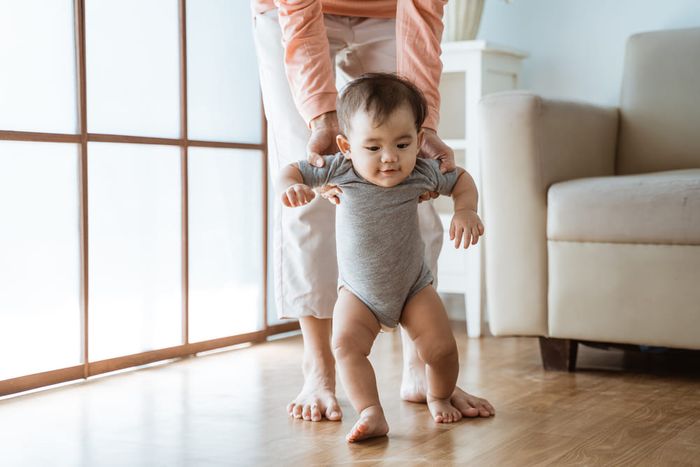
88	368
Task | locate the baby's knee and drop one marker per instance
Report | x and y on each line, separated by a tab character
346	345
441	352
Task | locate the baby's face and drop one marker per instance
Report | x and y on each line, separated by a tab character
386	154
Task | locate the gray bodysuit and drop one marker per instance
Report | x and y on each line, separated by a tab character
379	246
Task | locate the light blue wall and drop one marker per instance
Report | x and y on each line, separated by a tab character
576	47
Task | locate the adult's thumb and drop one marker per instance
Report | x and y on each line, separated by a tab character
315	159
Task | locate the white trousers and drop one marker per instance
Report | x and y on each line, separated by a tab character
305	271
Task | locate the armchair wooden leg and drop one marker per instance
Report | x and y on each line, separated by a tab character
558	354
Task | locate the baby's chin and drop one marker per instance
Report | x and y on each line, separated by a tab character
388	180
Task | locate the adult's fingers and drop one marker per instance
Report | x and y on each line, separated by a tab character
447	161
315	159
331	192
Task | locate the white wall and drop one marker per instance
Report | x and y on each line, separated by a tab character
576	47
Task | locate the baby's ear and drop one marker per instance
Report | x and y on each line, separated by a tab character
343	145
421	134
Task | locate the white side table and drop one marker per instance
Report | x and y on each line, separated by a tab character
471	69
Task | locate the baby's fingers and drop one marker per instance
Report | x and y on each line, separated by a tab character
303	195
285	200
458	235
475	235
291	197
467	238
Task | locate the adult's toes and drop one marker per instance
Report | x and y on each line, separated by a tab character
306	413
333	412
485	409
315	413
465	408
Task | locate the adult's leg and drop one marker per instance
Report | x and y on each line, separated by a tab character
354	330
304	285
374	50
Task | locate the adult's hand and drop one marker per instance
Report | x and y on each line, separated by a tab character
324	129
435	148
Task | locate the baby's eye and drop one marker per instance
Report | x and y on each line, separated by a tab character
372	148
403	145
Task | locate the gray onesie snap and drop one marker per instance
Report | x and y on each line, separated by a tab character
379	246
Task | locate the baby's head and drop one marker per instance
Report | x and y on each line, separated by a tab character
380	117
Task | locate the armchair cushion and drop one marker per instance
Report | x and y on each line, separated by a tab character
660	102
661	207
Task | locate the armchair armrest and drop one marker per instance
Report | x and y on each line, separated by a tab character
529	143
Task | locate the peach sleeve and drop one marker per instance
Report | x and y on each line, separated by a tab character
307	57
419	30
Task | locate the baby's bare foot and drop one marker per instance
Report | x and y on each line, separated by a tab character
443	411
370	425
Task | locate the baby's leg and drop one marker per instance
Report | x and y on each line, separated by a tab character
425	320
354	331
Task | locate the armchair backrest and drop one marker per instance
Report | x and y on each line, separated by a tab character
660	102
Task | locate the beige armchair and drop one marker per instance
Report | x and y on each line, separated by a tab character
593	213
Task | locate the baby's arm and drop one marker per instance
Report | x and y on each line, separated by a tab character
295	193
465	222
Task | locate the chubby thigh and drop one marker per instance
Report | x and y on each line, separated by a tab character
354	325
425	319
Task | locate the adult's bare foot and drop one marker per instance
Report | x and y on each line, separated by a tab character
414	389
317	398
371	424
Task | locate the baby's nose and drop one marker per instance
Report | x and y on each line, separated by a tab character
389	156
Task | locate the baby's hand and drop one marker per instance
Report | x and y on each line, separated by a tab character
297	195
468	224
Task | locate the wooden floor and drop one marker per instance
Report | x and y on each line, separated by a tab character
227	408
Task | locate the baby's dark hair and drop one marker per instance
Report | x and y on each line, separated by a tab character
379	94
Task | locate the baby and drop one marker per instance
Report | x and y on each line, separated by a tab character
383	279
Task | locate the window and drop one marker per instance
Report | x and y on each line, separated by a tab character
132	185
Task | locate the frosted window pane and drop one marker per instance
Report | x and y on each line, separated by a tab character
225	242
135	248
223	100
37	66
133	67
39	258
